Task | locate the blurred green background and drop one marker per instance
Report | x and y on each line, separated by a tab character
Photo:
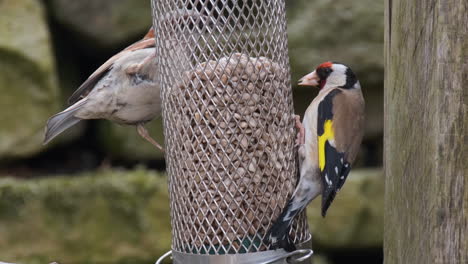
98	194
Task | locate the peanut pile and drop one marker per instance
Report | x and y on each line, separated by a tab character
234	149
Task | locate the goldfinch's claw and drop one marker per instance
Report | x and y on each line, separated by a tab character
300	139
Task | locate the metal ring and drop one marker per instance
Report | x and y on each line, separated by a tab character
160	259
306	253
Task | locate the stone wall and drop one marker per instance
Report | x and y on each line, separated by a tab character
80	35
113	216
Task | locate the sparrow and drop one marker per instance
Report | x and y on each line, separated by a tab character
123	90
329	138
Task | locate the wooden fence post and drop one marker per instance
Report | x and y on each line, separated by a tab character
426	127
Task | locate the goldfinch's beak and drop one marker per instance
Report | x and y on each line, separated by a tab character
310	79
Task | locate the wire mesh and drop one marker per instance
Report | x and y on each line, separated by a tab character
228	122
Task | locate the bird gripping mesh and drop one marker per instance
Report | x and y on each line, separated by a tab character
228	122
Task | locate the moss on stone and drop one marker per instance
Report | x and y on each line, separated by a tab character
113	216
107	217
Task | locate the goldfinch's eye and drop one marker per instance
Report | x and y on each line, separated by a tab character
323	72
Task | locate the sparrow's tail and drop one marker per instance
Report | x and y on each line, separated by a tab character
278	235
62	121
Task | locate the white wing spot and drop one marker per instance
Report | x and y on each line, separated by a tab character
327	180
346	165
341	160
273	239
287	216
336	170
342	177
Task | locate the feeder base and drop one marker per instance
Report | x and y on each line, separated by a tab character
279	256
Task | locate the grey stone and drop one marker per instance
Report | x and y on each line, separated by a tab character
28	83
103	217
104	22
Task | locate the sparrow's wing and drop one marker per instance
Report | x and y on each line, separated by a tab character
97	75
339	129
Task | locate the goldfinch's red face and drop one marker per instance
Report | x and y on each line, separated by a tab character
330	74
318	77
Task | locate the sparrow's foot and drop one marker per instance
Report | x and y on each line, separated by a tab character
300	140
144	134
136	68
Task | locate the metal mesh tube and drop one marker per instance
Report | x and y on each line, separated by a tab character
228	125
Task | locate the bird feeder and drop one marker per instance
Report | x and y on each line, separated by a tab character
229	128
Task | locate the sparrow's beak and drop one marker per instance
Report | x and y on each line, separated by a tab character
310	79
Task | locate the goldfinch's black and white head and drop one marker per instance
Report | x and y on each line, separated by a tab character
330	74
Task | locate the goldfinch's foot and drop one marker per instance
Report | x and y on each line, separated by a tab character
300	139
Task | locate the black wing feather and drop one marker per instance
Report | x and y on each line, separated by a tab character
336	167
279	231
331	175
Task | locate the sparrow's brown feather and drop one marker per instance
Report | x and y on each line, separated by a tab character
89	84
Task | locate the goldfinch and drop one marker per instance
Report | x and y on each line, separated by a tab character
124	90
329	139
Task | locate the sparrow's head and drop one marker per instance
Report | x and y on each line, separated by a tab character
330	73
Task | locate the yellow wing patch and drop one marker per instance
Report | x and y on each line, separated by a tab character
327	135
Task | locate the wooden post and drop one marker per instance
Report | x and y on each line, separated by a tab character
426	126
